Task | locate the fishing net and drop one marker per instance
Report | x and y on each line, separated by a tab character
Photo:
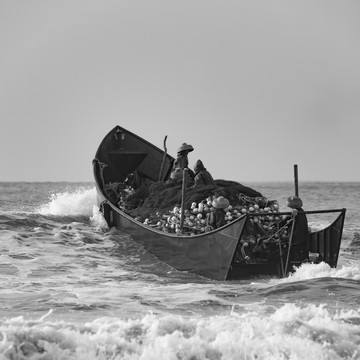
162	196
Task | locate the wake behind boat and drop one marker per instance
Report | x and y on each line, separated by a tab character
139	192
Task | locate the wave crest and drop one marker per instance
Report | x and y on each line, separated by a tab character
69	203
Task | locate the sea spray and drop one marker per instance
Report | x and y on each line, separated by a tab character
76	202
98	220
314	271
291	332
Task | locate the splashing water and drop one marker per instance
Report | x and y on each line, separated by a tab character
97	219
291	332
78	202
322	270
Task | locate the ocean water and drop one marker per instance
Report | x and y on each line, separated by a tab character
70	288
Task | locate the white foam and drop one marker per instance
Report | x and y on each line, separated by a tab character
98	220
290	332
312	271
78	202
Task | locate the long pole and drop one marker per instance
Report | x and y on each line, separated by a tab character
296	180
299	212
183	195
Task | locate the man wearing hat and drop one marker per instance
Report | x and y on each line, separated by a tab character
182	161
182	156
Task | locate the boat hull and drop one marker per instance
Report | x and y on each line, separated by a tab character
207	255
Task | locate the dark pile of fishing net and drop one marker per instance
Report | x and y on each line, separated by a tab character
162	196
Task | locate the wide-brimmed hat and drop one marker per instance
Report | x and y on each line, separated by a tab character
177	174
185	147
294	202
220	203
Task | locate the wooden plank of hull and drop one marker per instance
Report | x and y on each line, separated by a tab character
248	270
326	242
208	255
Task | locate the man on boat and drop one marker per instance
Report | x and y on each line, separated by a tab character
217	215
299	244
182	160
202	176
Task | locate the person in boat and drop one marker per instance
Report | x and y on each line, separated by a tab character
202	176
217	215
299	244
182	160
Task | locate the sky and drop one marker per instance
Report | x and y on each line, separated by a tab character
255	86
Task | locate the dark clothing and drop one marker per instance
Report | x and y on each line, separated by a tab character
217	218
202	176
181	161
300	243
301	238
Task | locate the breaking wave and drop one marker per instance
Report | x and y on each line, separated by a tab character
290	332
69	203
323	270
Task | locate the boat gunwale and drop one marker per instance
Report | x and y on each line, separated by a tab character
172	235
118	127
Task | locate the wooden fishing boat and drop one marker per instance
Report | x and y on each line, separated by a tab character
217	254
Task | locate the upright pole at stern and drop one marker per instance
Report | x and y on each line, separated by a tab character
296	180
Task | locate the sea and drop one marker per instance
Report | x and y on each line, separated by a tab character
72	288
